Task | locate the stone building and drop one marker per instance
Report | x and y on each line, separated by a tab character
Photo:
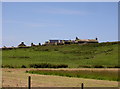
22	45
76	41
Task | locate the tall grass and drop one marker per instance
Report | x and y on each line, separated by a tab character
91	74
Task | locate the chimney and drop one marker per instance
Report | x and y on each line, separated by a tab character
96	38
39	44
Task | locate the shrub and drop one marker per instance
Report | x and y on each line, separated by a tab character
48	65
23	66
115	66
19	57
7	66
62	66
98	66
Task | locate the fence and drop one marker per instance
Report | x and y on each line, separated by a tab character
29	83
81	87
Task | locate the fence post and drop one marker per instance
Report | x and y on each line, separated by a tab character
82	85
29	82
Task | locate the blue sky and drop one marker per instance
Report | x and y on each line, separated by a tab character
39	22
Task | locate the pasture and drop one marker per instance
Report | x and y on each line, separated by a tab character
91	64
75	56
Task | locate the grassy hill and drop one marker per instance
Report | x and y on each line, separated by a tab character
72	55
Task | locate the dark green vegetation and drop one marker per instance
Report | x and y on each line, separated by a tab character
75	55
92	74
47	65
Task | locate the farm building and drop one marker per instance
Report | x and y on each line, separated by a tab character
22	45
76	41
87	41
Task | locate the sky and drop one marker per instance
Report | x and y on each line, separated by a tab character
37	22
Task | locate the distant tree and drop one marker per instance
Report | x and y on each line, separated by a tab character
96	38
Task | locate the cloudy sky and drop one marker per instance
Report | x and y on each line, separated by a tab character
38	22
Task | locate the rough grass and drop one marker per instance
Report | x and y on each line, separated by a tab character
90	74
102	54
18	78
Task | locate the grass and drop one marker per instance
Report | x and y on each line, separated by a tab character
103	54
18	76
90	74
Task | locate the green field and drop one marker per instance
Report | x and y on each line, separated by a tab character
73	55
91	74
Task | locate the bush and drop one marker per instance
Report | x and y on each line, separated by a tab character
62	66
118	66
91	66
23	66
98	66
7	66
47	65
115	66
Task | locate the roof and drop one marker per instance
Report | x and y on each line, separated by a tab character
88	40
